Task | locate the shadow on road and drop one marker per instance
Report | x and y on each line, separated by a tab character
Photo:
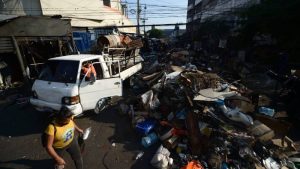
28	163
122	133
20	121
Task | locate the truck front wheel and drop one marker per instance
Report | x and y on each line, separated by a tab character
101	105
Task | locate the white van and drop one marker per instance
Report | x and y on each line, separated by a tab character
61	82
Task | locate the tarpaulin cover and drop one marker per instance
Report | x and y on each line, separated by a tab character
83	41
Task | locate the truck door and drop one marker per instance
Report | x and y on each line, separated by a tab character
91	91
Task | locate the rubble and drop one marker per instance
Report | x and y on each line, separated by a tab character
203	121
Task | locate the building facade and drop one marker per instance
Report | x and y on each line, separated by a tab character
200	11
87	14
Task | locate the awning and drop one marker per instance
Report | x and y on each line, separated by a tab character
36	26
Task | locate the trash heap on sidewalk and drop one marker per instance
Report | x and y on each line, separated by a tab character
202	121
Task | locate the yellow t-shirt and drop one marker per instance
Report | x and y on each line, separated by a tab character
63	136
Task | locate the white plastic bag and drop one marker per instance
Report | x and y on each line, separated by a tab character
270	163
150	100
146	97
238	116
161	158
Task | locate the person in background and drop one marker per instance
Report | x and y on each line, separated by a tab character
60	139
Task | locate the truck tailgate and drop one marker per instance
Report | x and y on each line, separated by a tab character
130	71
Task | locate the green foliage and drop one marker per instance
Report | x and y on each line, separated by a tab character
156	33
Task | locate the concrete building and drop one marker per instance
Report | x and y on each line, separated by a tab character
89	19
200	11
83	14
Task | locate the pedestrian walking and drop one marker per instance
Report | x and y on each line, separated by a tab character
60	139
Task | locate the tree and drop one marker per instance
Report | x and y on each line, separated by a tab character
155	33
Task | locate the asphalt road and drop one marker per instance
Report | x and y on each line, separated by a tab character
20	145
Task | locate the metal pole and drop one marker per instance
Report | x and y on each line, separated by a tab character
20	58
145	34
27	85
138	18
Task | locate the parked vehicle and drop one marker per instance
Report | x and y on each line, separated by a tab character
62	82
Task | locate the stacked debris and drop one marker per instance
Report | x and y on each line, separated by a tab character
117	41
202	121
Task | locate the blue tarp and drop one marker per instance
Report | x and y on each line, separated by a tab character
83	41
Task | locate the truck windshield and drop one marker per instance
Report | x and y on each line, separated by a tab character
63	71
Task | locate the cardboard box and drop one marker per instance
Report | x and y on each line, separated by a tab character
261	131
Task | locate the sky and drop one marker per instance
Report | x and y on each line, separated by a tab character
159	11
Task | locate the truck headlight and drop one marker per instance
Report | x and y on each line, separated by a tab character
70	100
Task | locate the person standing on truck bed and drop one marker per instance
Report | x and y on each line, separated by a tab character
88	68
60	138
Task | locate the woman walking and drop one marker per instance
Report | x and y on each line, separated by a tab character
60	139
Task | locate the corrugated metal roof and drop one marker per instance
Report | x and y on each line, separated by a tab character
36	26
6	45
7	17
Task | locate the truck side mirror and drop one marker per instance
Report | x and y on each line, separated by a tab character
92	78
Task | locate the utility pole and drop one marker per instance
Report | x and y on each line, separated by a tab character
138	18
176	30
145	34
144	20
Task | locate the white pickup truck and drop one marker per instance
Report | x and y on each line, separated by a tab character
61	82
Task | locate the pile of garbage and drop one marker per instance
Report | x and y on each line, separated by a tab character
202	121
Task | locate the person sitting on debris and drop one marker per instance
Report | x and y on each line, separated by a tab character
88	69
60	138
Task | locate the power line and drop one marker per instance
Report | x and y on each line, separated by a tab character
160	13
127	26
75	9
162	17
206	12
152	13
163	1
132	3
162	6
